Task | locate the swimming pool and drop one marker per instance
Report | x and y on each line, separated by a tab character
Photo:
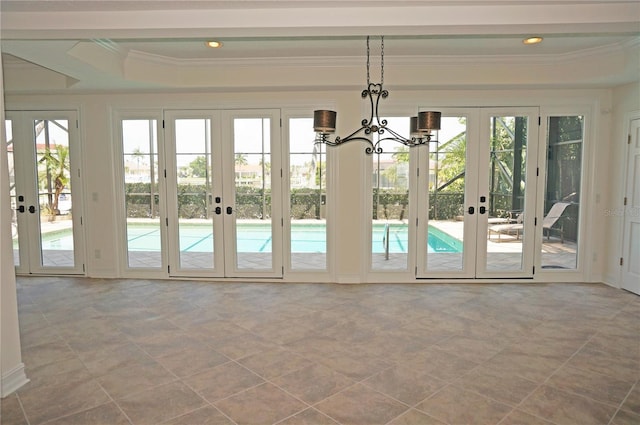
256	237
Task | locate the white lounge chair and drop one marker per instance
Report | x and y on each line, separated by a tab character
548	223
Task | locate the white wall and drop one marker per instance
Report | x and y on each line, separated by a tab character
626	103
12	374
100	185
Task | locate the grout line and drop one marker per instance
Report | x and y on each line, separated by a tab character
637	384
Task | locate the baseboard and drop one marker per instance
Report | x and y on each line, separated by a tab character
13	379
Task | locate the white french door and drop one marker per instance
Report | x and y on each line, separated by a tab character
482	177
631	245
45	192
224	185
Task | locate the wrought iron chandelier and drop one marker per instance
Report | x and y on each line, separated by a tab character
423	128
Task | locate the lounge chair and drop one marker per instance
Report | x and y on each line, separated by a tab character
552	218
512	229
548	223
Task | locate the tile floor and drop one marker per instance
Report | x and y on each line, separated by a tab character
181	352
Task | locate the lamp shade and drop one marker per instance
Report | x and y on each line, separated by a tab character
324	121
428	121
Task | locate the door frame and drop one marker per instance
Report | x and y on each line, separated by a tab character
626	278
223	186
29	236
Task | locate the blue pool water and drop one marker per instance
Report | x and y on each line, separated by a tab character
257	238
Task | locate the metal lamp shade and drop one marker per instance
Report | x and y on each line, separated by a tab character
324	121
428	121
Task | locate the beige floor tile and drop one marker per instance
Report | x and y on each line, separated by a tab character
498	384
632	403
192	360
565	408
624	417
440	364
106	414
361	405
313	383
127	380
273	363
518	417
457	406
207	415
404	384
264	404
594	385
44	403
415	417
107	358
11	412
53	374
308	417
356	366
223	381
615	365
50	352
161	403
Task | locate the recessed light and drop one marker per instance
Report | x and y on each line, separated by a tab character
532	40
213	44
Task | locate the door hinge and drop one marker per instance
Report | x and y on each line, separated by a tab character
416	221
77	124
534	270
537	171
539	121
535	221
83	268
282	270
281	174
621	261
282	222
166	221
168	269
628	139
165	173
80	220
625	201
162	123
418	172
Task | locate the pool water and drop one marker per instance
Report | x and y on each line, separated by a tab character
305	238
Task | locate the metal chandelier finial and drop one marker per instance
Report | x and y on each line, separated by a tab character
422	126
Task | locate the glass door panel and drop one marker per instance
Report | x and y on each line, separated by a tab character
507	189
253	220
13	197
307	197
193	162
447	177
44	147
560	223
141	193
390	219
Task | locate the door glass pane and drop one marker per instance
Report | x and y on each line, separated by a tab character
390	183
252	165
447	164
140	160
194	180
12	191
562	195
308	191
54	192
506	203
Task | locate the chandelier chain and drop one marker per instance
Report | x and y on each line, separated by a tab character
381	61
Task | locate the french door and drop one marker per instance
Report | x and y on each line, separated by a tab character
45	192
224	200
482	177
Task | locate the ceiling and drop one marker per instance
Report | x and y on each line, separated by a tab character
107	45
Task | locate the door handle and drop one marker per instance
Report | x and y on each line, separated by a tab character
218	210
483	210
229	210
21	208
471	210
32	209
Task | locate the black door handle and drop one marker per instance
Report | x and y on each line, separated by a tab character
471	210
21	208
218	199
229	210
218	210
483	210
32	209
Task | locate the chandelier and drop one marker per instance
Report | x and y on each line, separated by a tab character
423	127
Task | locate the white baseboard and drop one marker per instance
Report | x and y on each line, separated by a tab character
12	380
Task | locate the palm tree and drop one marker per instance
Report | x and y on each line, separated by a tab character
57	165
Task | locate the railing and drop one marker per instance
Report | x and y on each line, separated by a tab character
385	240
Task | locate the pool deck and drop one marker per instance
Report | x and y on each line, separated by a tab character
503	255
